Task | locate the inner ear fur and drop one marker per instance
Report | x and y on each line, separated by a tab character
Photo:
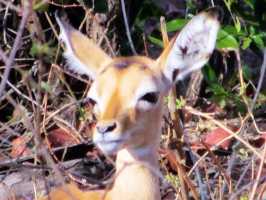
192	47
82	54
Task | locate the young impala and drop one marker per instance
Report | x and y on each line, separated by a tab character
128	93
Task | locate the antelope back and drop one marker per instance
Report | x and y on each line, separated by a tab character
128	92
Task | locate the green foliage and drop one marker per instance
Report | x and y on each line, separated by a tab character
221	94
244	197
156	41
176	24
173	179
244	29
38	49
40	6
248	30
180	103
81	113
226	40
246	72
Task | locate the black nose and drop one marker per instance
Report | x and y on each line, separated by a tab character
106	127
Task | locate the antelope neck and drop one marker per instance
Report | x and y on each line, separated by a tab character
145	155
136	176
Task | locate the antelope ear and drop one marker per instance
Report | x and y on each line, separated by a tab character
83	56
192	47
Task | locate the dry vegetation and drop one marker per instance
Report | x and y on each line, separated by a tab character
213	138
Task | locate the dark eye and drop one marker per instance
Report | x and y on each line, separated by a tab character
151	97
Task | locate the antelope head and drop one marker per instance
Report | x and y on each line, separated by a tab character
128	92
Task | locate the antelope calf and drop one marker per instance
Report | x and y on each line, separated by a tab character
128	93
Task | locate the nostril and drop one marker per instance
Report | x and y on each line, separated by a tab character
106	128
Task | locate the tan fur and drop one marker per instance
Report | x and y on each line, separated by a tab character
120	87
83	46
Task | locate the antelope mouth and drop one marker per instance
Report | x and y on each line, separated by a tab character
110	146
110	141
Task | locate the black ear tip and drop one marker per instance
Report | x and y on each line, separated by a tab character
57	15
60	16
62	20
216	12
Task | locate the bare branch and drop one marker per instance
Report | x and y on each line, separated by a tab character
9	62
127	28
262	73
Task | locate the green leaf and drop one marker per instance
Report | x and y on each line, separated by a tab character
156	41
252	30
222	102
250	3
180	103
246	42
226	41
230	29
176	24
218	90
237	24
246	72
41	6
228	4
209	74
233	31
38	49
173	179
258	41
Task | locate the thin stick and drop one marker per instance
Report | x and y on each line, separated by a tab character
262	73
26	14
252	195
127	28
206	116
184	181
10	5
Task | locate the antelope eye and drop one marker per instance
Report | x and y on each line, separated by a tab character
151	97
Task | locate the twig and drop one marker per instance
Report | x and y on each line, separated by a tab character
3	56
64	6
127	28
232	160
244	173
56	151
206	116
4	23
177	129
10	5
262	73
245	187
26	14
20	93
252	195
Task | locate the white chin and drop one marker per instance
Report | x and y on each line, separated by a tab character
109	148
